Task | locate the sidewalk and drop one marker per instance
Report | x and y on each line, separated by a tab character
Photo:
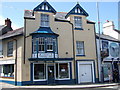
5	85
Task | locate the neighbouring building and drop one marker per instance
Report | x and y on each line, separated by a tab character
52	48
108	51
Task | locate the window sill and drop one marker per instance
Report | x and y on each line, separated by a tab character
78	28
80	55
7	77
63	79
9	55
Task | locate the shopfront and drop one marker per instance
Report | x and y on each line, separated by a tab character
51	72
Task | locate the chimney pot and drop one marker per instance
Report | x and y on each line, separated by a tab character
8	22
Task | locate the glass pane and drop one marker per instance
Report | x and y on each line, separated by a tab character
39	71
63	70
57	70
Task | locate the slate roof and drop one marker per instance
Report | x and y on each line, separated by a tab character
13	33
44	30
107	37
4	29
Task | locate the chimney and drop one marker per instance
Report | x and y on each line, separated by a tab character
8	22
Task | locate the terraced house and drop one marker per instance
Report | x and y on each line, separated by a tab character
52	48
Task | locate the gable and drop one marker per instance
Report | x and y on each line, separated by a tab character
77	10
45	7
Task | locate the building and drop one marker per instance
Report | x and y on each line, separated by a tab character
109	29
53	48
108	51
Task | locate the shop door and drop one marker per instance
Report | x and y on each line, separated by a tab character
51	75
85	73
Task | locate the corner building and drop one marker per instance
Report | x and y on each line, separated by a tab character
58	47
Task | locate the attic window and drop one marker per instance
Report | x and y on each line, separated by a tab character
78	22
44	20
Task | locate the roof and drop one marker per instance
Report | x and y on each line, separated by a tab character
45	7
117	31
77	10
13	33
44	30
4	29
107	37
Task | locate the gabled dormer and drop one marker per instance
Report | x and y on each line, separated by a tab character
77	10
45	7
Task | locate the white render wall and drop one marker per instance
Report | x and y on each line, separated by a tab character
108	29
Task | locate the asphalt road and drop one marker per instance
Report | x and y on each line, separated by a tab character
100	88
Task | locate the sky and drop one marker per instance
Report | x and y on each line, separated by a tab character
15	11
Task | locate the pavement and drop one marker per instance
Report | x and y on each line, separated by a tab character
87	86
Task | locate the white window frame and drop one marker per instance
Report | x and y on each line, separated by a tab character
41	41
45	65
49	42
34	43
78	47
45	20
58	70
78	22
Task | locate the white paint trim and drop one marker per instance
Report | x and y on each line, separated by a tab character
87	63
9	61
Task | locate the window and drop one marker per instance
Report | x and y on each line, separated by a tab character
34	45
44	20
49	44
8	70
39	71
80	47
78	22
10	48
62	71
41	44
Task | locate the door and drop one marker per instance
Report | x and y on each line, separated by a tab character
85	73
51	75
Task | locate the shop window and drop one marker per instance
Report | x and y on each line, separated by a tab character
10	48
62	71
39	71
8	71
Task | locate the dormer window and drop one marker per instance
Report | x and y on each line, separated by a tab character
78	22
44	20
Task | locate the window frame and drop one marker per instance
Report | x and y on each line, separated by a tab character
42	43
58	71
45	66
78	22
44	20
50	41
10	47
80	48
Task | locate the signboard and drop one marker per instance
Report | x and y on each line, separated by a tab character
45	55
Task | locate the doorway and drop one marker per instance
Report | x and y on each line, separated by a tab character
51	79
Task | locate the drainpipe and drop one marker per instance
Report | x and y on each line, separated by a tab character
24	39
73	38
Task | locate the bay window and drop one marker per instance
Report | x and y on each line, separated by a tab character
41	44
49	44
34	45
39	71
